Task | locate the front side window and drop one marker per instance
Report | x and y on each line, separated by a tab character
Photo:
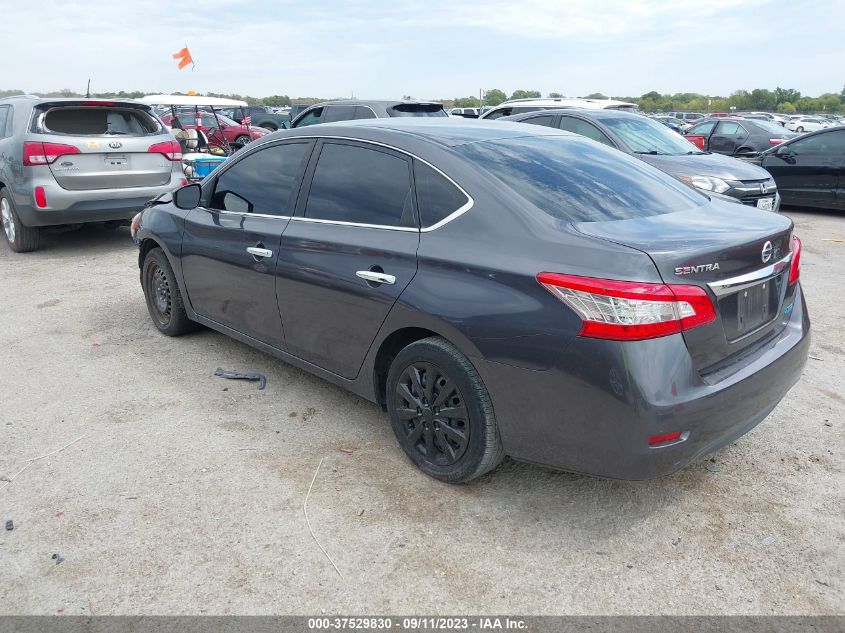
827	144
310	118
573	180
339	113
583	128
497	114
437	197
4	113
361	185
263	182
703	128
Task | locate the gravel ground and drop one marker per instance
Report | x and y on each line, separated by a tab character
185	494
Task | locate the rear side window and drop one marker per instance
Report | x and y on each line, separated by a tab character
584	129
730	128
361	185
498	114
264	182
437	197
4	115
339	113
574	180
417	109
540	120
98	121
364	112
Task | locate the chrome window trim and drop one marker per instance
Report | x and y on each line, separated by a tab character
455	214
735	284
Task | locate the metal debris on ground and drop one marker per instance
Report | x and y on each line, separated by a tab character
32	460
714	468
59	560
261	379
308	522
814	357
768	540
10	525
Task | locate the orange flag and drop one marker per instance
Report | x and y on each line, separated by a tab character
184	57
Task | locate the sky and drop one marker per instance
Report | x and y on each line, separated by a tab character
433	49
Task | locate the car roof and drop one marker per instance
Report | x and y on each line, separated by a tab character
448	132
35	100
589	113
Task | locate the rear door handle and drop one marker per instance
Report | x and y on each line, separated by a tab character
379	278
259	252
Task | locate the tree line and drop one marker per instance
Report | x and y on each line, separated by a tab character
786	100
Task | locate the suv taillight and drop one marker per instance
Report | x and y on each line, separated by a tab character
171	149
795	266
630	310
36	153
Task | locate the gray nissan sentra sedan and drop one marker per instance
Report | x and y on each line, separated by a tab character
500	289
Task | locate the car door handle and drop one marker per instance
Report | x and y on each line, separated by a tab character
379	278
259	252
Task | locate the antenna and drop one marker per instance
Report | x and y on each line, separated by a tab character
88	89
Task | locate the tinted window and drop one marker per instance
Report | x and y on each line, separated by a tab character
419	109
263	182
577	181
584	129
310	118
643	135
437	198
4	112
730	128
364	112
540	120
703	128
827	144
339	113
357	184
496	114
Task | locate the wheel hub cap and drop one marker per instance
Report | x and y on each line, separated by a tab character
7	219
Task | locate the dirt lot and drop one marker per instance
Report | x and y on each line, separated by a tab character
185	493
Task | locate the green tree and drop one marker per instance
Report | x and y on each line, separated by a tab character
276	101
786	107
596	95
466	102
555	95
494	97
762	99
525	94
652	96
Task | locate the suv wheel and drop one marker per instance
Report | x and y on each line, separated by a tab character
441	412
21	239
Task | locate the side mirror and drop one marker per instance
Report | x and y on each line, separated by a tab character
783	150
187	197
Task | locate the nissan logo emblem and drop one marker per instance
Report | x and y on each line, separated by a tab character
115	144
767	252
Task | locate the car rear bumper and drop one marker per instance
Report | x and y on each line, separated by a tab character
595	412
77	207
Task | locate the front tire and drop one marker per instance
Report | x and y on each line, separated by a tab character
21	239
164	300
799	129
441	412
242	140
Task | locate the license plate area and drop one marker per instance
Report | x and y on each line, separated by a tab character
750	308
116	161
766	204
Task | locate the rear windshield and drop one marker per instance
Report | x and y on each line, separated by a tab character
644	136
417	109
771	127
98	121
578	180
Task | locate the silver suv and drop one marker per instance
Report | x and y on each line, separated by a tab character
72	161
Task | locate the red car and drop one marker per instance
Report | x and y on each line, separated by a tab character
233	132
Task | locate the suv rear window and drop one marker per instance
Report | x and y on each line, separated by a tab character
417	109
578	180
98	120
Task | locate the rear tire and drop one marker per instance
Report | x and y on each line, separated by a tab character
242	140
164	300
441	412
20	238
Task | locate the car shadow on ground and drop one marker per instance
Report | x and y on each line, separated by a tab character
90	239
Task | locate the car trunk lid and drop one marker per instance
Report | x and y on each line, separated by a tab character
739	256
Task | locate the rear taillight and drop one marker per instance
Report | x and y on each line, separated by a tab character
795	266
776	141
171	150
35	153
630	310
